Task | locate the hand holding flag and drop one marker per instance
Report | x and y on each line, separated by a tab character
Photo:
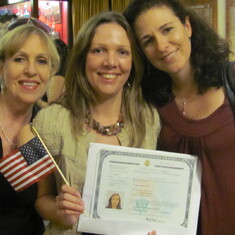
70	212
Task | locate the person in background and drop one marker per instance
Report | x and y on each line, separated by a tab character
56	87
103	104
4	21
25	70
184	59
57	83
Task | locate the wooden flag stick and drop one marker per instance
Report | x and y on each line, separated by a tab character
62	175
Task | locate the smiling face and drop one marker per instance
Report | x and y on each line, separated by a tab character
164	39
27	73
109	60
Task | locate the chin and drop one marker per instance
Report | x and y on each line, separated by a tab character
29	101
173	69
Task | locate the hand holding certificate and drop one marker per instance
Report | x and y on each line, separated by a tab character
133	191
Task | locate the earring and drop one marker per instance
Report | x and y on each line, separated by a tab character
2	87
128	83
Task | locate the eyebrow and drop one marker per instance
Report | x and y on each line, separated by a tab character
105	45
26	54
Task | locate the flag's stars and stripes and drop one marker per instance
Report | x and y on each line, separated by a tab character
26	165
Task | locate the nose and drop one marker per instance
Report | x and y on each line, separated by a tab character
161	43
30	69
111	59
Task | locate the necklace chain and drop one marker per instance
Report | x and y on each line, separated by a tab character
13	146
184	101
184	105
106	130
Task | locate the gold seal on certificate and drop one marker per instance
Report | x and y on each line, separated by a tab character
133	191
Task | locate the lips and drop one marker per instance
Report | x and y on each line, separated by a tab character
29	85
169	56
108	75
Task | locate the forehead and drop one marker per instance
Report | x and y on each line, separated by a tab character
157	15
108	32
155	18
31	41
33	38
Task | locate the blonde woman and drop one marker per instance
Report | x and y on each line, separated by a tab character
28	58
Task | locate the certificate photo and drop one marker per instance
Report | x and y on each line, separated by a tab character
133	191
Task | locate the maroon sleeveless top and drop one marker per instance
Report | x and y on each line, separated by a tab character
212	139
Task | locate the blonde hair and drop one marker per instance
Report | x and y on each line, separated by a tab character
13	40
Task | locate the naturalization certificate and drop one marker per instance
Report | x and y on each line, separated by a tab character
133	191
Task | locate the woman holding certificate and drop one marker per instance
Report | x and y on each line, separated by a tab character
103	104
184	58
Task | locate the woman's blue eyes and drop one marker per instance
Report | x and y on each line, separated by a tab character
42	61
39	60
101	51
124	52
97	51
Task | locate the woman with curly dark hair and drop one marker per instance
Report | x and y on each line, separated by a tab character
184	59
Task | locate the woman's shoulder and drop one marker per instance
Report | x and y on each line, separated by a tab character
54	109
153	124
52	116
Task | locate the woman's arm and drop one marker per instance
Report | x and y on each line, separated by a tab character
64	209
56	88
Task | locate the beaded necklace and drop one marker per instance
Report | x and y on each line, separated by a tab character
106	130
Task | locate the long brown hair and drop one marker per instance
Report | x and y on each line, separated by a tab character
79	94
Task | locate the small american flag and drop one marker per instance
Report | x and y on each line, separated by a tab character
26	165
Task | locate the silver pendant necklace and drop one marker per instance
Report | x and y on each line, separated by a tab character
184	105
13	146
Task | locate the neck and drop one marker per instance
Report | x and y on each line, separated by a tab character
183	82
12	119
107	112
184	87
15	113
